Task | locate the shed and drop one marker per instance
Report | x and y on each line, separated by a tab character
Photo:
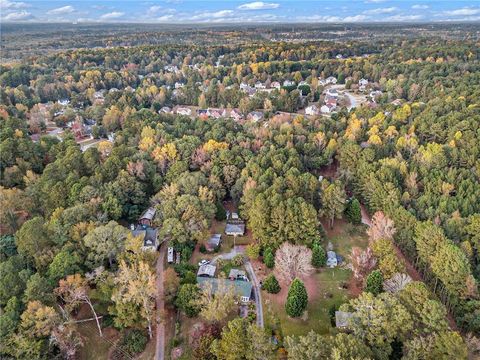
207	270
331	259
214	242
147	217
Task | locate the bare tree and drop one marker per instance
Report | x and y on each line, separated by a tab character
73	290
382	227
293	261
396	283
363	262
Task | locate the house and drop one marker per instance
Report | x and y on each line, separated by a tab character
342	319
236	115
325	109
331	259
331	80
303	83
339	56
242	289
288	83
149	237
373	94
207	270
64	102
312	110
332	93
236	274
255	116
147	217
235	216
179	85
214	242
259	85
275	85
170	254
184	111
244	86
235	228
363	82
165	110
396	102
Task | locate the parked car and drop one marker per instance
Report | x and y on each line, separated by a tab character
204	262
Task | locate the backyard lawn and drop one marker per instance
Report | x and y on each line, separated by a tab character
326	288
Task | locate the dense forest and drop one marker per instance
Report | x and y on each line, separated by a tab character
412	158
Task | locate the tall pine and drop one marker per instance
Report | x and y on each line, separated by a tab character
297	299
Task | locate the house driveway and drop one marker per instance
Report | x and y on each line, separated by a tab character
253	278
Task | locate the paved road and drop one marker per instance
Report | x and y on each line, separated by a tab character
257	292
256	286
160	333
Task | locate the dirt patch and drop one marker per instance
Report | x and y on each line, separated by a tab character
338	227
354	287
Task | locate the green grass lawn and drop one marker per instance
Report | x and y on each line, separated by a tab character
329	289
317	317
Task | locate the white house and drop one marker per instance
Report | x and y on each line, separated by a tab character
184	111
259	85
312	110
179	85
331	259
288	83
325	109
64	102
332	92
331	80
362	82
275	85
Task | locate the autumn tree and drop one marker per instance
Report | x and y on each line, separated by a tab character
382	227
292	261
73	290
171	283
136	286
105	243
333	201
362	262
215	307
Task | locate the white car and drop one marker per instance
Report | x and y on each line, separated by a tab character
204	262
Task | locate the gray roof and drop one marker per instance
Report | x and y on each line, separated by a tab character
240	288
148	214
149	235
342	318
214	240
235	273
207	270
237	228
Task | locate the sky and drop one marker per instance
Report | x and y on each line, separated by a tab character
232	11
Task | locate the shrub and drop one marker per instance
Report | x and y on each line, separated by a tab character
238	260
268	258
183	268
353	213
297	299
374	282
253	251
132	343
319	257
189	277
186	296
271	285
203	249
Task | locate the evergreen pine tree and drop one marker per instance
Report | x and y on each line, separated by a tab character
297	299
374	282
271	285
268	258
319	257
353	212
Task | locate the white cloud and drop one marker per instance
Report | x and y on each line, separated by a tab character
19	16
401	18
213	15
61	10
420	7
374	1
112	15
381	10
258	5
165	18
154	8
356	18
466	11
6	4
